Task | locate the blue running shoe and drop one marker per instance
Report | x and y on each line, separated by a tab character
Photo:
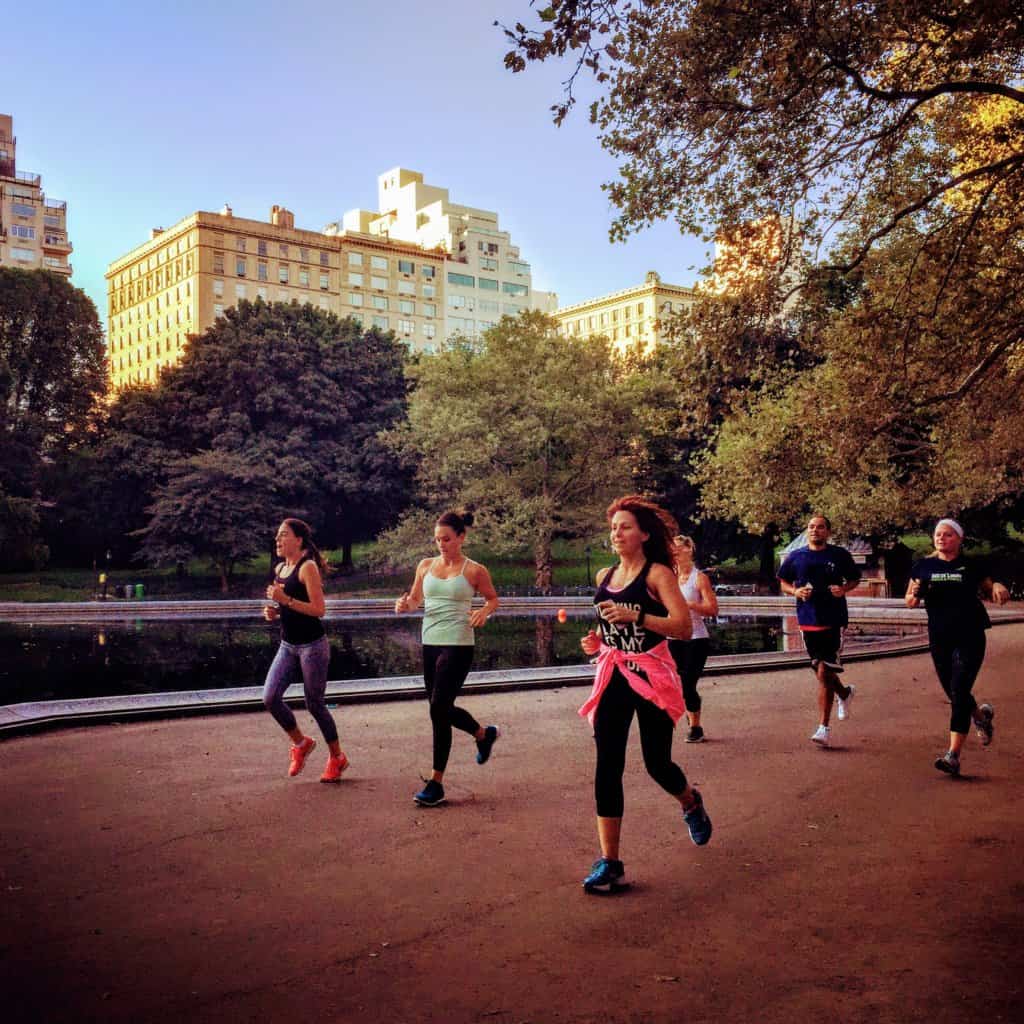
430	795
697	821
948	763
606	875
483	747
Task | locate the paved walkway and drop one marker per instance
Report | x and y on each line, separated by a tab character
168	871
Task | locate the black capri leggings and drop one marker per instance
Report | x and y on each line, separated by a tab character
957	663
690	657
444	671
611	731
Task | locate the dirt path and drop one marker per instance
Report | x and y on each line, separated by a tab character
169	872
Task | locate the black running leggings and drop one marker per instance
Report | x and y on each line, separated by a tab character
611	732
690	657
444	671
957	663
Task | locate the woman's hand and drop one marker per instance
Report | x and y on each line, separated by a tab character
478	617
591	643
270	614
275	592
1000	594
616	613
402	604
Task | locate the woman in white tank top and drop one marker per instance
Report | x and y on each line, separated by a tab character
691	655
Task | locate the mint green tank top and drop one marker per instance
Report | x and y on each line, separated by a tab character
446	606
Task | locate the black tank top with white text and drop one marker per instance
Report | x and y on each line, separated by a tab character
297	628
628	636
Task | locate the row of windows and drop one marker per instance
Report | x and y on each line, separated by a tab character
487	284
262	249
590	323
356	259
132	289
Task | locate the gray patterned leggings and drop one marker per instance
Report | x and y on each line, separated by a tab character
308	661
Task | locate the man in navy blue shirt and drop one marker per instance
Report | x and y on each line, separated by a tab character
819	576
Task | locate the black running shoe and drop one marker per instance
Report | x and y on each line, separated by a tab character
948	763
606	875
430	795
695	735
483	747
983	723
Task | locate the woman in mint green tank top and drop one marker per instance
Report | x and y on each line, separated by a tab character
445	586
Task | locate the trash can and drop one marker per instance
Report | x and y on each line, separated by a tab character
128	591
138	590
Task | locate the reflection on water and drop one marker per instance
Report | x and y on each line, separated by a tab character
59	662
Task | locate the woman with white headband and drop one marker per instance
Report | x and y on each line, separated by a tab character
950	586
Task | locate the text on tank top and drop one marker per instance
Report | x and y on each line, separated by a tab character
446	607
691	594
297	628
628	636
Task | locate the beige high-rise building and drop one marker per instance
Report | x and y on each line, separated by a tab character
485	276
185	276
33	229
628	316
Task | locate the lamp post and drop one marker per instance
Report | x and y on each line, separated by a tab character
587	552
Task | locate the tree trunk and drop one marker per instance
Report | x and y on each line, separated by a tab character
542	562
346	555
767	581
225	571
544	640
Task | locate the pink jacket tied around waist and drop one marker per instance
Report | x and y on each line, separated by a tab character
662	686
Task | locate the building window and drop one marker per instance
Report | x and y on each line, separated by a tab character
323	260
240	244
357	317
21	231
240	268
282	273
488	285
325	282
261	248
429	330
355	279
428	271
355	299
406	287
218	287
488	263
405	327
378	263
381	322
488	306
239	291
519	269
456	301
303	254
23	210
355	259
467	280
261	270
261	293
429	291
379	301
218	263
514	289
406	267
428	309
303	277
282	251
218	309
406	306
380	283
22	254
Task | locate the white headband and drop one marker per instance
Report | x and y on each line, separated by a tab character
953	525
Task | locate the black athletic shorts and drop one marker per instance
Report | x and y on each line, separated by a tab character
823	646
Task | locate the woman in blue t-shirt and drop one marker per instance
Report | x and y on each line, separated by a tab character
950	585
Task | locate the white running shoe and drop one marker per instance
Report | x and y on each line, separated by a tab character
843	705
822	736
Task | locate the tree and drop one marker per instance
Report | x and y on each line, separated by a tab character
274	408
52	377
533	430
886	139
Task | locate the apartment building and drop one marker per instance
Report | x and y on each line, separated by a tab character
627	316
486	277
33	229
185	276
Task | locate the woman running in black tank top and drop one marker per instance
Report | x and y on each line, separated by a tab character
639	605
305	651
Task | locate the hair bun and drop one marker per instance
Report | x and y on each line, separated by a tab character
467	518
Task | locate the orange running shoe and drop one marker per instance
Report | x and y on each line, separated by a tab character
335	766
299	755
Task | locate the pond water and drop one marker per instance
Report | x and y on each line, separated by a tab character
61	662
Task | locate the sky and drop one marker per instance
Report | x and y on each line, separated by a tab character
138	114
